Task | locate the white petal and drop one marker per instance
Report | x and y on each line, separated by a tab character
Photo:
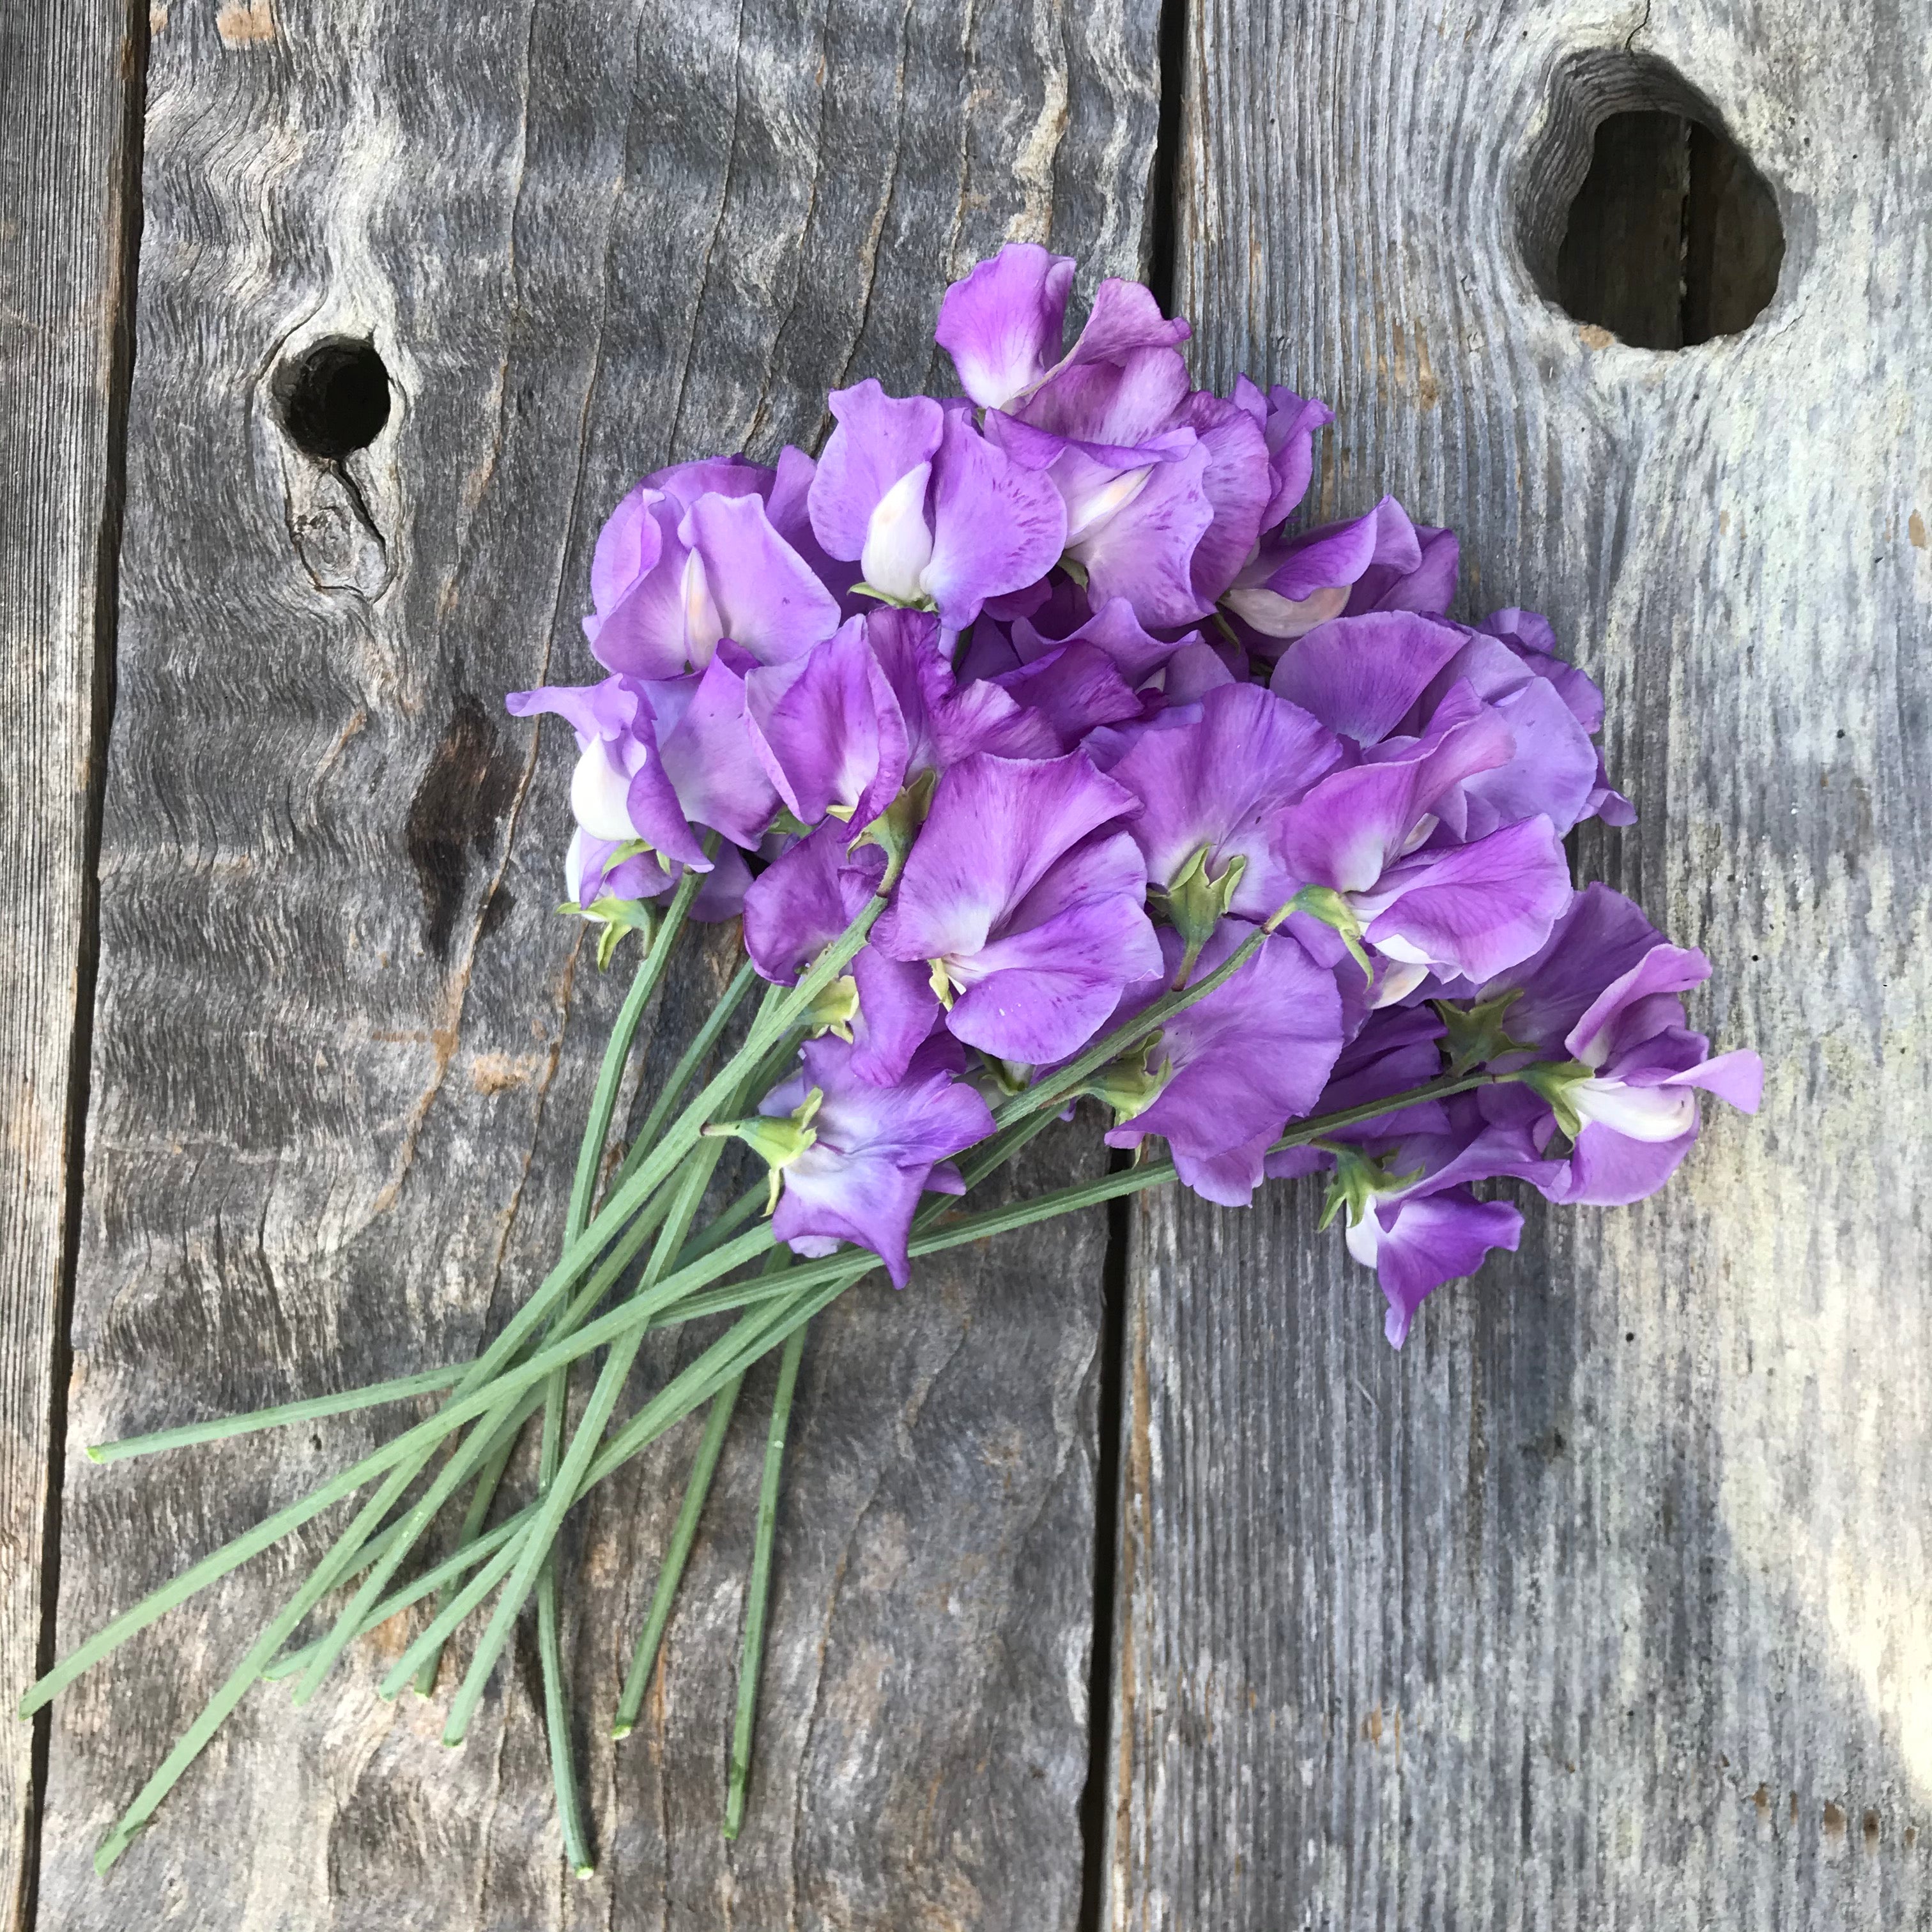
1365	1237
1277	616
1638	1113
1398	982
1086	512
702	626
898	545
600	791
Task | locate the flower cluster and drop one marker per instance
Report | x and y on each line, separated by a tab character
1114	778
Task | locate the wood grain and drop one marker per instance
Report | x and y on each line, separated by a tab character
343	1047
64	101
1602	1604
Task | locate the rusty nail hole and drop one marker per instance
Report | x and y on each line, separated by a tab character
334	397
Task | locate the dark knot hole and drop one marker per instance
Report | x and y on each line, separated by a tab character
1673	237
334	397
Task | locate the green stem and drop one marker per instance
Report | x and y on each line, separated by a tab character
428	1383
757	1590
617	1050
677	1552
488	1480
534	1545
688	1062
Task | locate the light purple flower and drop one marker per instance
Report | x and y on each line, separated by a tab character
1004	324
935	514
1232	1070
1288	423
1027	909
1294	582
675	571
828	729
871	1150
945	721
1610	1057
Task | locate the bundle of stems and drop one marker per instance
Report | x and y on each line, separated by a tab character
635	1261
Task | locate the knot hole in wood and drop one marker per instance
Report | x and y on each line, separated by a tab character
333	398
1639	213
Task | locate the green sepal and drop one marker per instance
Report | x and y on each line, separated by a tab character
1553	1079
777	1139
1132	1083
835	1008
1075	569
1333	909
615	917
895	828
897	603
1196	902
1010	1076
941	983
1357	1179
1475	1035
788	822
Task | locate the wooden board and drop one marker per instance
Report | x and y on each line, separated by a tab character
1602	1604
65	103
342	1048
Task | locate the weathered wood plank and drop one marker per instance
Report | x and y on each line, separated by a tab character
64	103
344	1049
1602	1604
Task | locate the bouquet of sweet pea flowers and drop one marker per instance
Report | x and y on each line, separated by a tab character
1046	759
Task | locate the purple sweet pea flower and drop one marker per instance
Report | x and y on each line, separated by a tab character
1472	909
659	759
594	868
1417	1241
1065	614
945	721
1231	1071
1288	424
1294	582
1075	688
1028	910
828	729
1602	991
674	572
935	515
1004	324
1219	786
870	1151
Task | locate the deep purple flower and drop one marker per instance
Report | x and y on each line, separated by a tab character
1213	791
945	721
935	514
1027	909
1353	841
860	1154
1228	1073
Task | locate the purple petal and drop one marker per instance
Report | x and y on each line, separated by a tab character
879	439
643	630
1429	584
1219	783
769	602
801	902
945	723
1288	427
898	1010
1339	552
1362	675
1737	1077
704	741
627	547
684	483
1074	688
1432	1239
996	826
828	729
1620	1014
1144	552
995	525
1475	909
1002	324
1608	1169
1236	482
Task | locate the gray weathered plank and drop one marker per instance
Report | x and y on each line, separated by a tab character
1602	1604
342	1048
64	91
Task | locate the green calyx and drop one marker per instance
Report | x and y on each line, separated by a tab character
1555	1080
898	603
1132	1083
1332	908
1358	1178
835	1008
895	828
1195	903
1475	1035
614	917
777	1139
